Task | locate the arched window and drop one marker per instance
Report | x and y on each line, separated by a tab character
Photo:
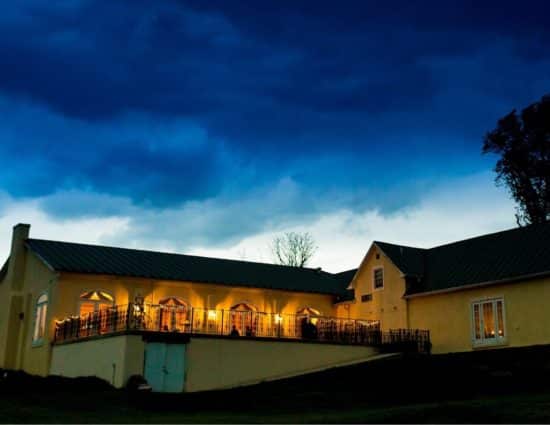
174	314
92	301
244	319
40	318
309	311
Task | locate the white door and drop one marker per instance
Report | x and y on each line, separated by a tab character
164	366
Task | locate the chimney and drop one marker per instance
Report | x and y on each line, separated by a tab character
16	267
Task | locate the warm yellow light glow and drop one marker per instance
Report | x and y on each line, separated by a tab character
94	296
212	314
314	320
278	318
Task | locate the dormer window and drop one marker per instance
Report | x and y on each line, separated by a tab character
378	278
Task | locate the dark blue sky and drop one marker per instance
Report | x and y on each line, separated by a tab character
111	106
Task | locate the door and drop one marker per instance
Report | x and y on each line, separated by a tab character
164	366
174	368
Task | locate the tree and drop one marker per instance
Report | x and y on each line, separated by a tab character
523	144
293	249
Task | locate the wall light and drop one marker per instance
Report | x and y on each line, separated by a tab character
278	318
212	314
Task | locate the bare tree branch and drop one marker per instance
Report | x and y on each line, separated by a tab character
293	249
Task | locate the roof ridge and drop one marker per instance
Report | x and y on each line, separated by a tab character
401	246
346	271
499	232
312	269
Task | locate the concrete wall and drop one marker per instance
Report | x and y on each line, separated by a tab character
387	304
223	363
113	359
449	316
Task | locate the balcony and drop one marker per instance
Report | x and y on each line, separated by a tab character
237	324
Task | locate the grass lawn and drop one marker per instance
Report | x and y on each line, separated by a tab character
506	387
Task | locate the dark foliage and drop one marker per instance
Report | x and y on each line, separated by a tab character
523	143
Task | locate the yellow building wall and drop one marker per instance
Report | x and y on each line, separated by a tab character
4	317
387	304
198	295
448	316
20	351
113	359
215	363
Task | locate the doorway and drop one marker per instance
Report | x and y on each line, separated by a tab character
165	366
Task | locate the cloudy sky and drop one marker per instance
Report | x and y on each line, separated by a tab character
209	127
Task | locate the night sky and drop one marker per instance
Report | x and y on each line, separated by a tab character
207	127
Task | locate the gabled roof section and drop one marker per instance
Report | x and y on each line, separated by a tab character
503	256
345	279
408	259
96	259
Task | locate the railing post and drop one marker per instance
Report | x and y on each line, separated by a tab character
129	312
192	321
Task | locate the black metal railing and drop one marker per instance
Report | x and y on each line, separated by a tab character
238	323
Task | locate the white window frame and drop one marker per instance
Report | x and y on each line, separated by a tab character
482	341
374	269
40	319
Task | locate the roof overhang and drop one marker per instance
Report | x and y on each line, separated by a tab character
480	285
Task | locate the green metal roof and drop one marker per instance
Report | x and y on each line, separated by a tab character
509	255
345	279
95	259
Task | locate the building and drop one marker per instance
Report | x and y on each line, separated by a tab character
194	323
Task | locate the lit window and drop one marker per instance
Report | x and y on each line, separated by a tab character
488	322
173	314
40	318
378	277
93	301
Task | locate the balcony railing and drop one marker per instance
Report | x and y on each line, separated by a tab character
236	323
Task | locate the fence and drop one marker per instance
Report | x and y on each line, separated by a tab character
238	323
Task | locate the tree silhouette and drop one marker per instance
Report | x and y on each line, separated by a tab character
293	249
523	143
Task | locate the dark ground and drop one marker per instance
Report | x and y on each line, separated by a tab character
496	386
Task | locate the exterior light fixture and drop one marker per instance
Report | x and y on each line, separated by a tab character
212	314
278	318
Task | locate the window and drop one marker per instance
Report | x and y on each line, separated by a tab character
488	322
365	298
378	277
93	301
244	319
173	314
40	318
94	308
